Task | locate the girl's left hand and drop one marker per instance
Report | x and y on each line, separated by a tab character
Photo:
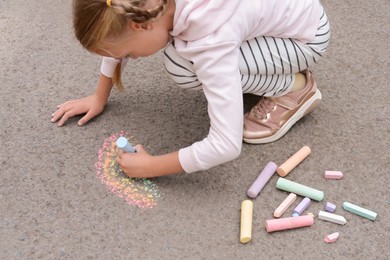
137	165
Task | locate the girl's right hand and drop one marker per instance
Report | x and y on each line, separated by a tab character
91	106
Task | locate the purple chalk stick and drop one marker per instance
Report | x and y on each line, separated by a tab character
330	207
262	179
302	206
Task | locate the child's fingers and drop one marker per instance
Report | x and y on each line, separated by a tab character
61	109
63	104
139	148
120	159
56	115
86	118
66	116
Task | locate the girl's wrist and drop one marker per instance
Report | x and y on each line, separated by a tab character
166	164
103	89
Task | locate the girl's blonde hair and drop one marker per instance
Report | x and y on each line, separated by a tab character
94	21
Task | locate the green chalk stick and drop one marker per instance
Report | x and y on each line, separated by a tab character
290	186
365	213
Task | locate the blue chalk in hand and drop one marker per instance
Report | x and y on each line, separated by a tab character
124	145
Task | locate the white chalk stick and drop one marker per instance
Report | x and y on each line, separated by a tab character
332	217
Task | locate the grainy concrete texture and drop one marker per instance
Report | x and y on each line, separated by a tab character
52	205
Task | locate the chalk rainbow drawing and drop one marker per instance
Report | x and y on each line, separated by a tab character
136	191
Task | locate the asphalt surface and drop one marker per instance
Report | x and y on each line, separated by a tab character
53	205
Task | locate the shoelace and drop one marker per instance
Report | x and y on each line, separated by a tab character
263	108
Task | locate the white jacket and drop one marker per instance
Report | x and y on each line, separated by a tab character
209	33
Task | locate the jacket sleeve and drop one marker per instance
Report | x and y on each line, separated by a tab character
109	64
217	69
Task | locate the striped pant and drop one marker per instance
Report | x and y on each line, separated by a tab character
267	64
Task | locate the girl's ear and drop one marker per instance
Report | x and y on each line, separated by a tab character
140	26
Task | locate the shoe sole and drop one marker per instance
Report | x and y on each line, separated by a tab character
305	109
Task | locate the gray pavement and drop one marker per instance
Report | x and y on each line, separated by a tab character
53	206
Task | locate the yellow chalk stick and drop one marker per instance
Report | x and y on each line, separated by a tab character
293	161
246	221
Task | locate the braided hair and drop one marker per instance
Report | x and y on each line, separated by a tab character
94	21
135	10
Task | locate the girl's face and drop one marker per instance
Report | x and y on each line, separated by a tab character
140	40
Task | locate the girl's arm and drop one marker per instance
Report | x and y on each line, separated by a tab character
143	165
104	87
91	106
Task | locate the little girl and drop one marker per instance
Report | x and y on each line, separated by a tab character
225	48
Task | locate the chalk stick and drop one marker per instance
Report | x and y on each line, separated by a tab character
332	237
295	215
305	191
365	213
332	217
124	145
262	179
272	225
285	205
246	221
293	161
335	175
330	207
302	206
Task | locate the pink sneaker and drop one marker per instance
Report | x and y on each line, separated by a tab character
272	117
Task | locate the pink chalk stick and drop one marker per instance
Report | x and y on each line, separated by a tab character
335	175
272	225
262	179
285	205
332	237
